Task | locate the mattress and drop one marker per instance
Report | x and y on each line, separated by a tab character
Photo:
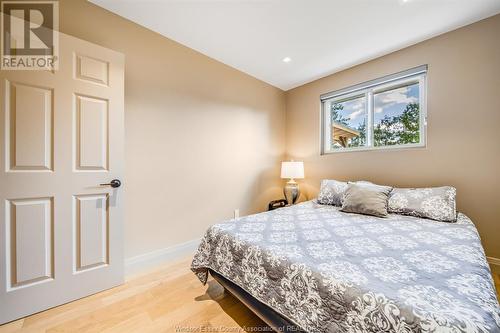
329	271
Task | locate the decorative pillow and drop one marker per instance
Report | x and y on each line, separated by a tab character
366	199
436	203
331	192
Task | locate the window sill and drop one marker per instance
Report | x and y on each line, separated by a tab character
384	148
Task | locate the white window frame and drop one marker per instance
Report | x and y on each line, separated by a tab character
368	89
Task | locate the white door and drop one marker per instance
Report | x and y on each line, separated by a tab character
61	135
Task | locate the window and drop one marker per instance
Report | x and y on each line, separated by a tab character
383	113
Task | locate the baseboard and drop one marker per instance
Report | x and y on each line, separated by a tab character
493	261
148	261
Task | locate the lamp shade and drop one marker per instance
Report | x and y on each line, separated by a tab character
292	170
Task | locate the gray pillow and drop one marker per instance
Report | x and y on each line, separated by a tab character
437	203
331	192
368	199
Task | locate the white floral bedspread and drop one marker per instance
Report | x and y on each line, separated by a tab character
329	271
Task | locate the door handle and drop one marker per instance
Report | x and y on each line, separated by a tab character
115	183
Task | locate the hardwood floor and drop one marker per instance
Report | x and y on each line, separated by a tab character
170	299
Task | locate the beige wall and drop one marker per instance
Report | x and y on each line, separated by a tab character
463	147
201	138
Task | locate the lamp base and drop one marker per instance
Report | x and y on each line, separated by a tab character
291	192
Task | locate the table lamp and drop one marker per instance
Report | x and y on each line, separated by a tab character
292	170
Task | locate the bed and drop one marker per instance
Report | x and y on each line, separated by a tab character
323	270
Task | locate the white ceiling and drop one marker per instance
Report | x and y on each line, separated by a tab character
320	36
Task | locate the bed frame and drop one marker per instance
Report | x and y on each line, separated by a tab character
273	319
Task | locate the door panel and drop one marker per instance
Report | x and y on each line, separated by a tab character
91	69
30	233
29	122
92	133
92	223
61	135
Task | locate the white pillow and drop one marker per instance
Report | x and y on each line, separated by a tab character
331	192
